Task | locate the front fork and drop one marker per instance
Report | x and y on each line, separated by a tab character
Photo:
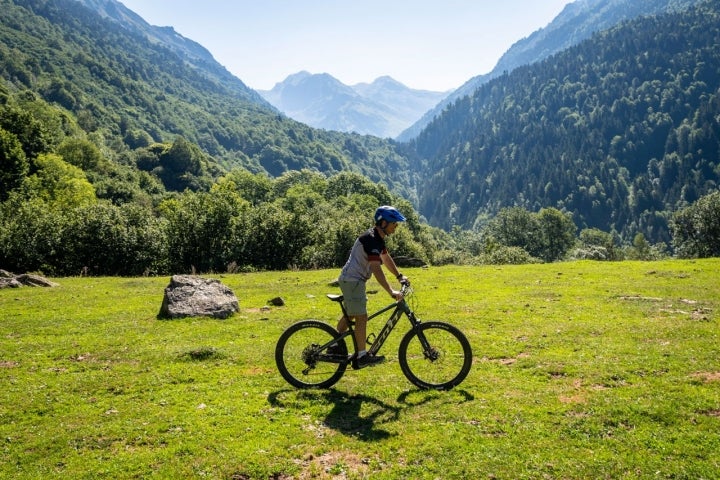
429	351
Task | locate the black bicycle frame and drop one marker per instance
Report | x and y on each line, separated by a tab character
378	340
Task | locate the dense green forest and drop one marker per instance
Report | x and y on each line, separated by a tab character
119	158
620	131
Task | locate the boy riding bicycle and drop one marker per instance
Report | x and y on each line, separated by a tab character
367	257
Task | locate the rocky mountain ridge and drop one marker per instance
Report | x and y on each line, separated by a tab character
382	108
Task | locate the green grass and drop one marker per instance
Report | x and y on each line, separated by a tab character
581	370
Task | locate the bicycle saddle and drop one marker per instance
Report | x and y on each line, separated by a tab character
335	298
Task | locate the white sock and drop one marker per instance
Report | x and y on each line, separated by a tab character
362	353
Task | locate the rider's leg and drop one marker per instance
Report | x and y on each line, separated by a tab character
359	332
355	304
342	325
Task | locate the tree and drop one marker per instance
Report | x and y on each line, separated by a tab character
516	227
272	238
60	184
547	235
640	247
13	163
105	239
29	131
200	229
349	183
182	166
30	236
81	153
255	188
696	229
557	234
308	179
136	138
594	244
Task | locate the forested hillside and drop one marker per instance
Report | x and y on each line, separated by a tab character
130	92
621	131
578	21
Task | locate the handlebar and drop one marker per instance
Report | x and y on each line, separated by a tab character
405	287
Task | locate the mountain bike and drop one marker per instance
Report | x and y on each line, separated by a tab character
432	355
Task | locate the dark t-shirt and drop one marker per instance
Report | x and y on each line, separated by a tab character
367	248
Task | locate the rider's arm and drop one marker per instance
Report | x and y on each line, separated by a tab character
376	268
390	265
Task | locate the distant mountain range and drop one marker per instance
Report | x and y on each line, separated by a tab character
383	108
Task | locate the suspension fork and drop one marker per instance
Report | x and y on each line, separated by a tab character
415	322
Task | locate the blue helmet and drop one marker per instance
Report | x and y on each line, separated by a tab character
389	214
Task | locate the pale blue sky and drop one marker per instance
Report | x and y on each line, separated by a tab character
425	44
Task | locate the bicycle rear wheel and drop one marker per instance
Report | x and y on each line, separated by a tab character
300	360
435	355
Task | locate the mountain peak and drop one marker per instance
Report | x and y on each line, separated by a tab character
387	80
382	108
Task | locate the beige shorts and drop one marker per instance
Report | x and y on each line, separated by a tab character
355	297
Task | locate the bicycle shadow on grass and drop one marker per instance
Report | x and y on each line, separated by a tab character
414	398
359	416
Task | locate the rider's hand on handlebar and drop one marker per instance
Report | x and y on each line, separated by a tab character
397	295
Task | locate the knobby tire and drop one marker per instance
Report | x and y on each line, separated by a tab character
435	355
299	360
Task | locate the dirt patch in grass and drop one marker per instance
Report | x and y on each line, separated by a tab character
579	396
639	298
701	314
669	274
333	466
707	377
697	311
509	360
82	357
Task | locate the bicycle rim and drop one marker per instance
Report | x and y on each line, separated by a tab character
435	355
299	360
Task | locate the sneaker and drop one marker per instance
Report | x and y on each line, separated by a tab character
368	360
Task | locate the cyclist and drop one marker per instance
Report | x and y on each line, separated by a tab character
367	257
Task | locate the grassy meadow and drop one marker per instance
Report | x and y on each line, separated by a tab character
581	370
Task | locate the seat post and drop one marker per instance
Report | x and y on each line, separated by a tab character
340	300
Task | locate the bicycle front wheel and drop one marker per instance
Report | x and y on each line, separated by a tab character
435	355
302	362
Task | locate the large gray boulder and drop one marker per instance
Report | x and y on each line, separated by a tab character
9	280
191	296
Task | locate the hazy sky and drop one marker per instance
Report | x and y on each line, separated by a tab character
425	44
